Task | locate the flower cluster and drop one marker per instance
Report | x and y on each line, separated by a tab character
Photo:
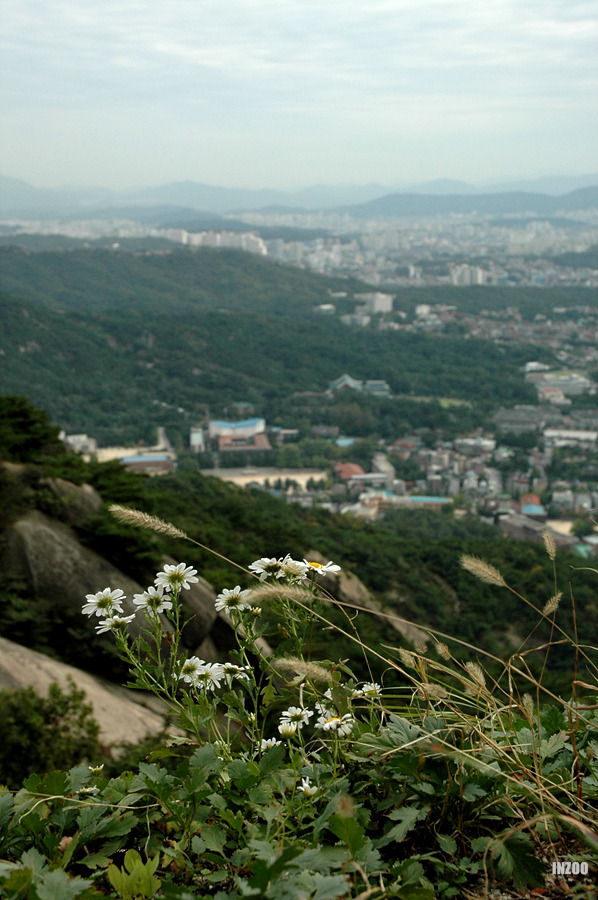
292	570
108	604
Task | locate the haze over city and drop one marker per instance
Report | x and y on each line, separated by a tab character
258	93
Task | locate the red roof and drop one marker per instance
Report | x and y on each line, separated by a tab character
530	500
348	470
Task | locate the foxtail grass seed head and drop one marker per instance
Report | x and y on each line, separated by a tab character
549	544
408	658
528	705
553	604
276	591
300	667
476	674
443	651
482	570
432	691
144	520
344	806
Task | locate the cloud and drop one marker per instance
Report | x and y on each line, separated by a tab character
338	66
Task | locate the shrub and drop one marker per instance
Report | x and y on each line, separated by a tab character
43	733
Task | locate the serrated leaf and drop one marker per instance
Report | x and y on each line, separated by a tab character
214	838
349	831
407	817
78	777
552	745
57	885
473	792
479	844
447	844
6	809
515	859
33	859
272	759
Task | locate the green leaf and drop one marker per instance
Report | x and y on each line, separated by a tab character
408	817
57	885
515	859
214	838
78	777
447	844
473	792
32	859
272	759
349	831
6	809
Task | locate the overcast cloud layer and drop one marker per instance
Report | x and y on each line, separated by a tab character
284	93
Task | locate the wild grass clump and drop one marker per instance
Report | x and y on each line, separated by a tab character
287	777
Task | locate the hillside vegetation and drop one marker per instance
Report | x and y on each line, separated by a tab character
153	338
434	771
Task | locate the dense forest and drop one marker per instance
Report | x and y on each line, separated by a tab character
155	337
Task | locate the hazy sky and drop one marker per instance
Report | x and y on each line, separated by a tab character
286	93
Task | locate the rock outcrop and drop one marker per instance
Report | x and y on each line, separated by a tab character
47	556
118	712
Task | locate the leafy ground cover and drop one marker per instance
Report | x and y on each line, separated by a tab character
291	777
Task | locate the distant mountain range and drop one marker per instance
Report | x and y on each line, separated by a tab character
186	199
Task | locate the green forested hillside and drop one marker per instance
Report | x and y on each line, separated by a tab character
157	282
117	373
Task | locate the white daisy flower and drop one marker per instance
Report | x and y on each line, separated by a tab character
293	569
199	673
104	603
232	670
112	622
370	690
96	769
342	725
287	728
308	789
173	578
90	791
328	568
153	600
297	715
265	567
235	599
266	743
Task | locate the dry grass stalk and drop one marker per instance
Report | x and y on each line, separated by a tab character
482	570
144	520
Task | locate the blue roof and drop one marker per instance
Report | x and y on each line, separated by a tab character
417	499
145	457
246	423
532	509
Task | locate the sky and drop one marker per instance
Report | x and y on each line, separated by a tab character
289	93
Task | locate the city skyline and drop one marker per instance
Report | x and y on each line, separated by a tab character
255	93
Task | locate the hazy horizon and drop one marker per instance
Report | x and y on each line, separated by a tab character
258	94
